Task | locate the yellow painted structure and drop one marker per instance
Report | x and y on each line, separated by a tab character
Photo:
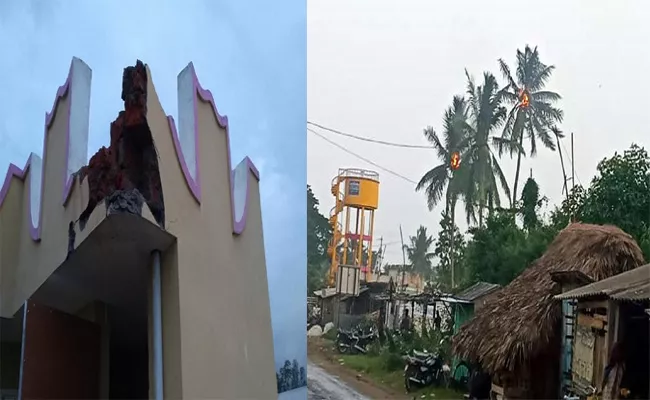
356	194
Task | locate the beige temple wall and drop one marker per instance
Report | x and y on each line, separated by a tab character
24	262
217	334
217	323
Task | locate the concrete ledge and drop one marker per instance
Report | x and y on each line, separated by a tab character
110	264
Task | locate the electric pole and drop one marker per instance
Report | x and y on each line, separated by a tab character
573	165
403	255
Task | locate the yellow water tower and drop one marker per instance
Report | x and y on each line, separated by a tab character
356	194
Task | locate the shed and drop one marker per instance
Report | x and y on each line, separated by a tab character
471	299
464	304
609	311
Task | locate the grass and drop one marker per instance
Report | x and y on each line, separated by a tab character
330	335
376	368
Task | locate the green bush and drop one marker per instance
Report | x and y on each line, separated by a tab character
331	334
392	362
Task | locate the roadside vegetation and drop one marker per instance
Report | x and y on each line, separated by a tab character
384	365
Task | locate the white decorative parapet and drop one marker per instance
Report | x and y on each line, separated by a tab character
77	87
186	142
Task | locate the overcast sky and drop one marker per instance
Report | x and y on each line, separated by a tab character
254	65
387	69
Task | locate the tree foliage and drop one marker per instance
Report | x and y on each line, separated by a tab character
291	376
620	192
530	204
444	252
418	254
618	195
319	234
501	250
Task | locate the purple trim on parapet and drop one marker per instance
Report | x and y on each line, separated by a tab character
15	171
195	184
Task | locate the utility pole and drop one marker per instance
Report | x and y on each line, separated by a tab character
573	173
403	254
573	165
380	256
559	149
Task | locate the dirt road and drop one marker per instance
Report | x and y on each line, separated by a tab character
323	386
328	379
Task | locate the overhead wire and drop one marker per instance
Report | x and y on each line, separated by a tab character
393	144
371	140
570	157
360	157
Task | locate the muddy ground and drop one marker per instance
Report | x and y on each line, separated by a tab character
328	379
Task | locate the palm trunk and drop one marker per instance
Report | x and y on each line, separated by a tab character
514	188
451	243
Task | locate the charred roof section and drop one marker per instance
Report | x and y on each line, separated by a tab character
130	163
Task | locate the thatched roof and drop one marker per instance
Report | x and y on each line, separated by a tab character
522	319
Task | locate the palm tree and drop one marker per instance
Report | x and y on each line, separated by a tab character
480	171
441	177
532	114
418	252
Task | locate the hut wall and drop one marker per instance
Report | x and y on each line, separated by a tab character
361	304
483	300
462	313
600	357
327	310
595	330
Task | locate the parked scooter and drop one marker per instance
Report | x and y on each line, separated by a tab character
354	341
423	369
366	339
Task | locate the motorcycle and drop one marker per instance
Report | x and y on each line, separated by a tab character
423	369
354	341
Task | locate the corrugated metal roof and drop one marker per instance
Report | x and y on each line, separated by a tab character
636	293
630	285
453	300
329	292
477	290
325	292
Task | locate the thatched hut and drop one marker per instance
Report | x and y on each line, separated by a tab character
517	336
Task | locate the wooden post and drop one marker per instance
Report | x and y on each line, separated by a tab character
412	314
424	314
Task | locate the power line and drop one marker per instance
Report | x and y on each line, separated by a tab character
371	140
333	143
569	156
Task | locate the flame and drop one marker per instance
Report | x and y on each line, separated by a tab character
523	98
455	161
